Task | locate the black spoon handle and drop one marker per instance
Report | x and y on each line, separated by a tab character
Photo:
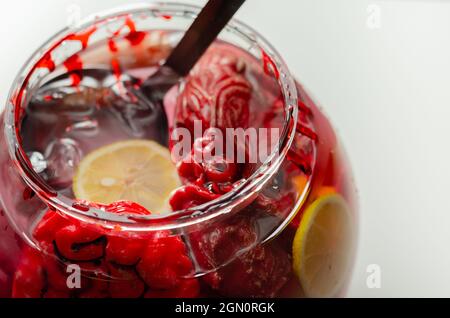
203	31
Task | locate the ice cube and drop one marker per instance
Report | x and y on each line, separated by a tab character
88	128
62	157
63	122
38	161
138	116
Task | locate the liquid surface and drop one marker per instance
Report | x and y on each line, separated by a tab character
67	119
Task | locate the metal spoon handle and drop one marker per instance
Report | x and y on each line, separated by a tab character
203	31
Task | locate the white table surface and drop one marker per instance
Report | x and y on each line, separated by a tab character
384	83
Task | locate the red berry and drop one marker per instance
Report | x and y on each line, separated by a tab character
189	196
5	287
206	163
49	224
124	250
29	279
219	244
189	170
218	169
95	283
56	274
125	283
77	243
261	272
164	263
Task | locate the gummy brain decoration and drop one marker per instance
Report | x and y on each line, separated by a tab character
216	93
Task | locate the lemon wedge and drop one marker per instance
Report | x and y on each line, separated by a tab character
136	170
323	247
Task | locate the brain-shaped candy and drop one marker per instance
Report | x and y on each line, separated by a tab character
216	92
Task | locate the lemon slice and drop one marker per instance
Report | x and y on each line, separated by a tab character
323	247
136	170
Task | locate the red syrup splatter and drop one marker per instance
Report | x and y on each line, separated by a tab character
134	37
300	162
112	45
46	62
269	65
74	65
308	132
303	108
115	65
83	37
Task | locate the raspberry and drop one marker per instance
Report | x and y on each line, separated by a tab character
190	195
216	92
164	263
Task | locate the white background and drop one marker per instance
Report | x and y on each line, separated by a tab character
387	91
